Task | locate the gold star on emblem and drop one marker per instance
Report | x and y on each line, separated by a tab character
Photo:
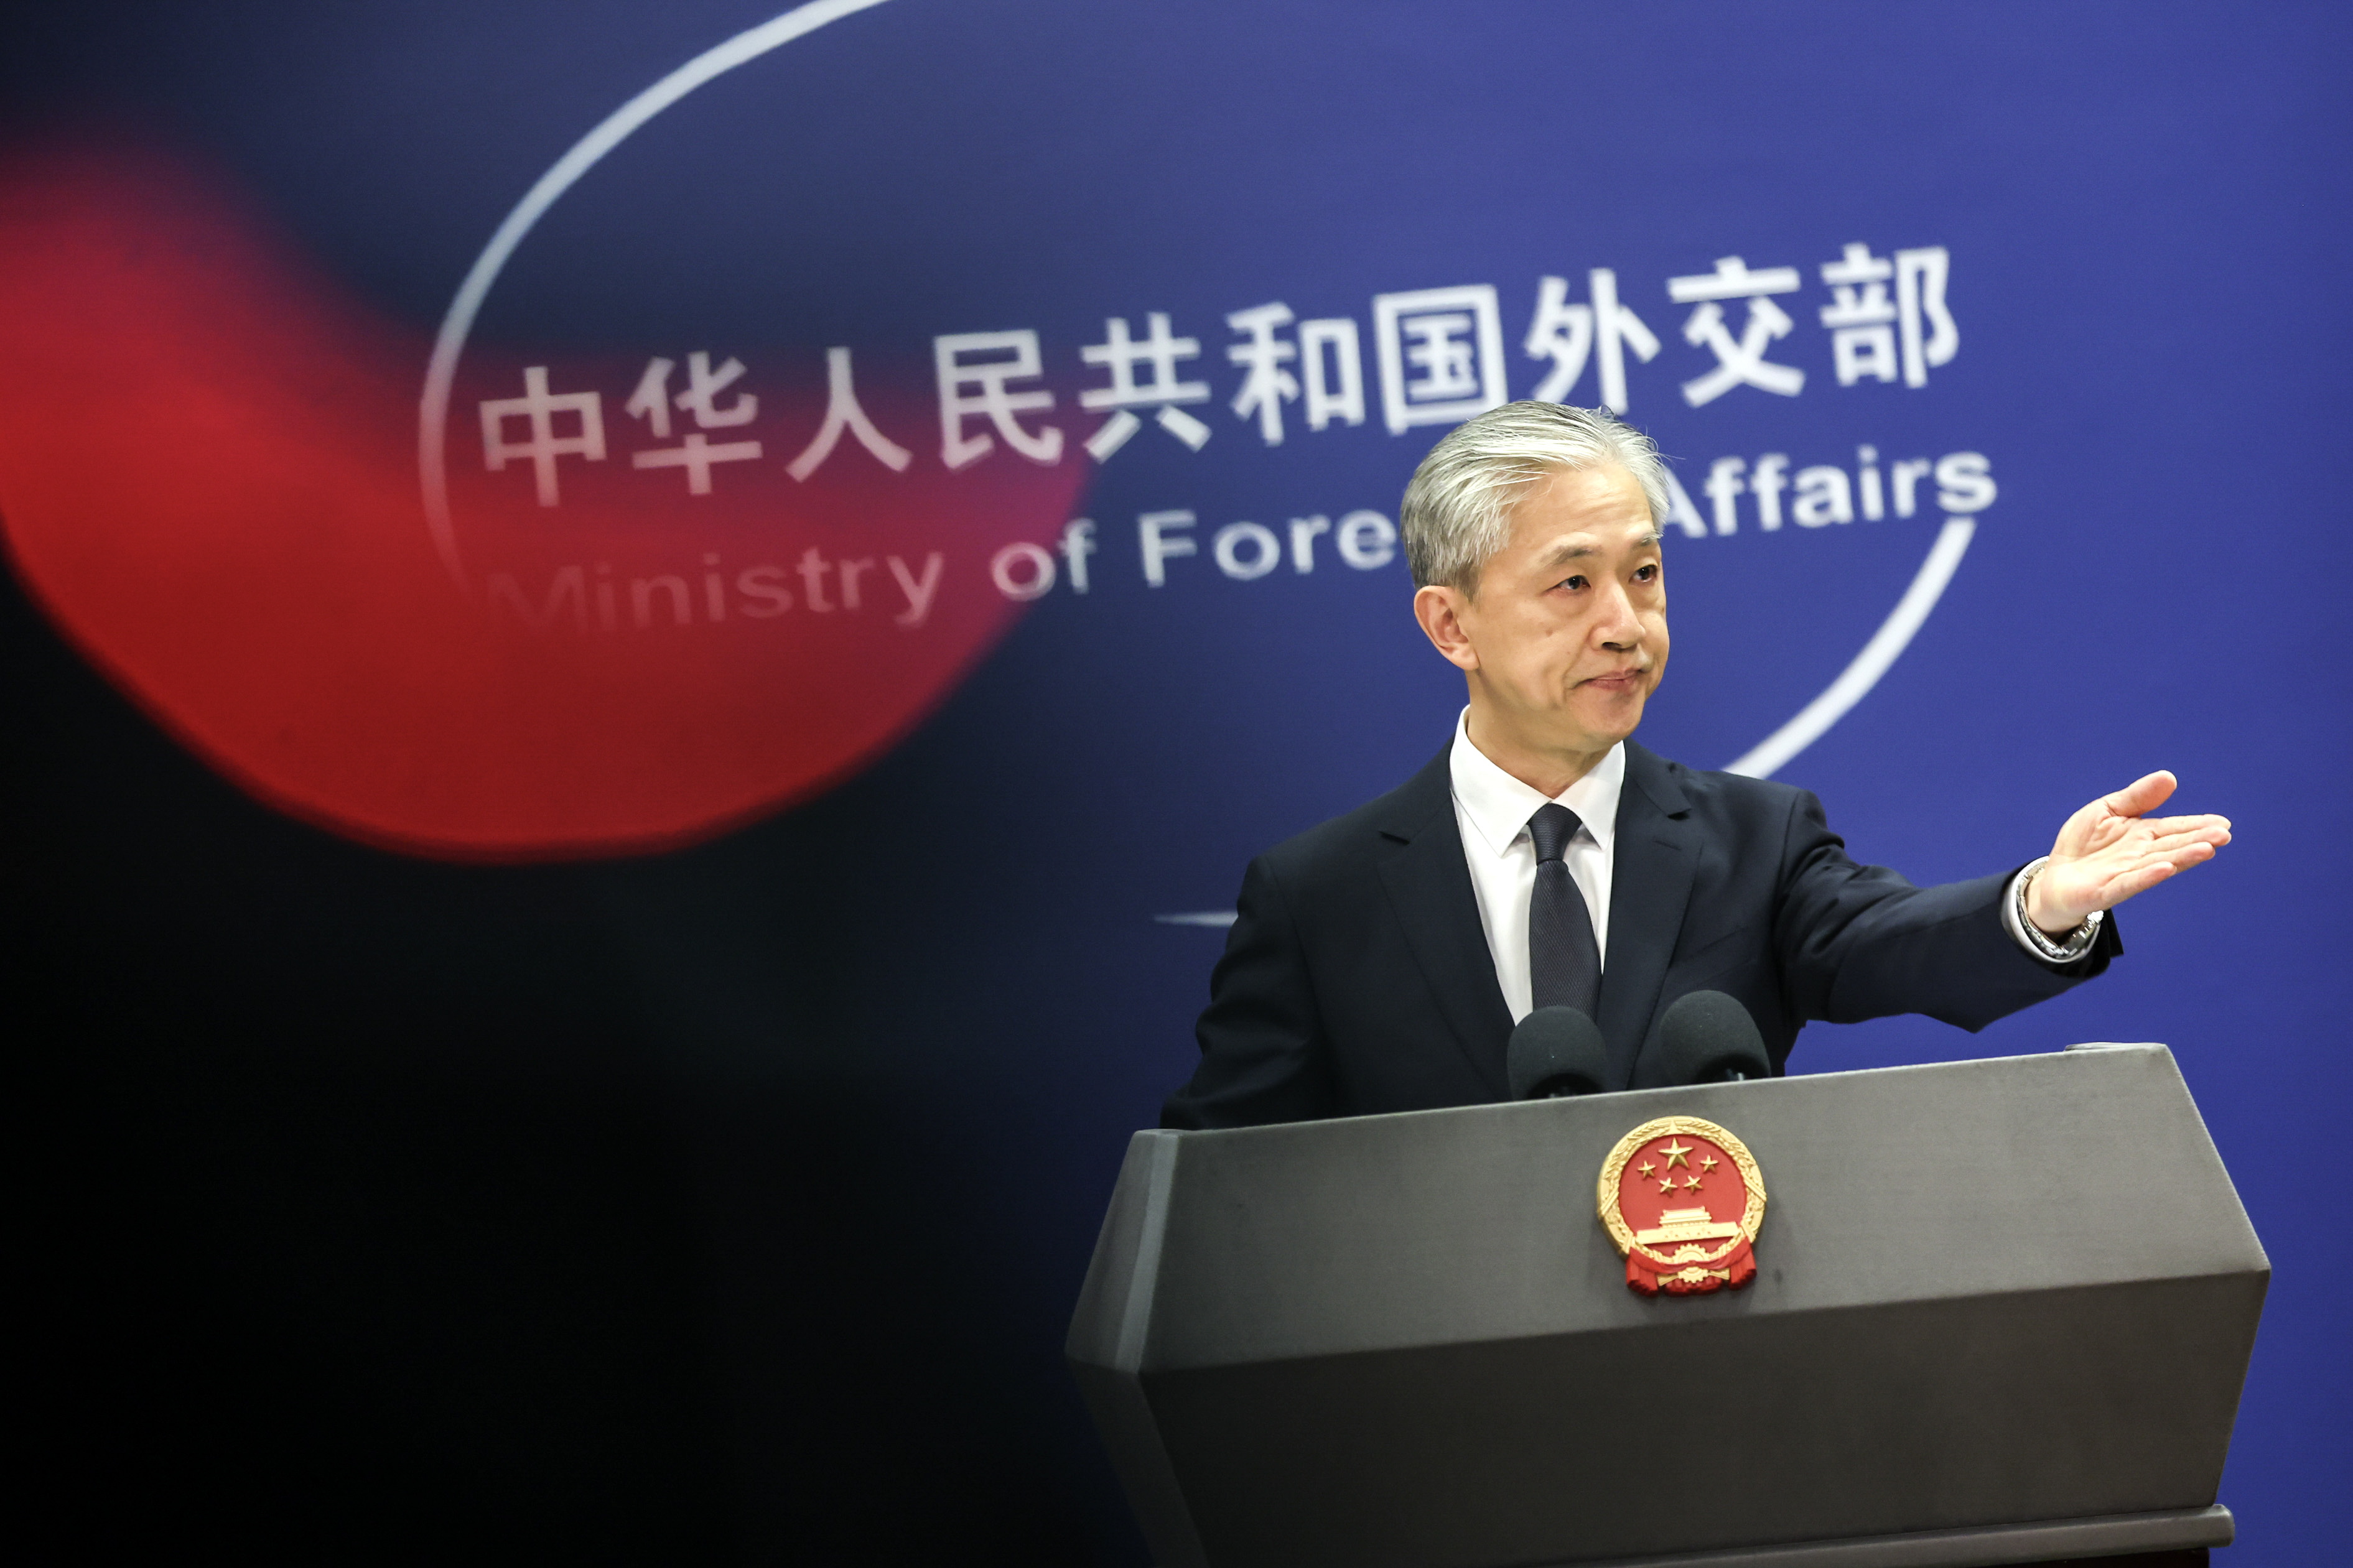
1676	1155
1666	1183
1707	1163
1693	1184
1646	1168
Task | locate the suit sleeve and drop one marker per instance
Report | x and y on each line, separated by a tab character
1859	941
1263	1050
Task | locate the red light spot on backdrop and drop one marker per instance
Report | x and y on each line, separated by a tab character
209	479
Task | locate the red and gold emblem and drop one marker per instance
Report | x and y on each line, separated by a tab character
1683	1198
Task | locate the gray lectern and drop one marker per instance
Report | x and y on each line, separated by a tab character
2001	1314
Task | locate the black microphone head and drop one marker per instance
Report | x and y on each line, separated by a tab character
1556	1051
1707	1037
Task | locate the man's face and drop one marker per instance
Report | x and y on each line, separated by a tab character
1568	628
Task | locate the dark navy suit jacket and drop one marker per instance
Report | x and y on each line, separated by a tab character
1357	979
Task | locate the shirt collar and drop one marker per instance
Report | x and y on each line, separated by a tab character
1499	805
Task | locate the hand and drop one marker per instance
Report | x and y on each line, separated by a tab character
2110	850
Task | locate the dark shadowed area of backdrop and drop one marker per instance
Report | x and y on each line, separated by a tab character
582	956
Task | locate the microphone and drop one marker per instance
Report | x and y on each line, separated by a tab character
1708	1037
1556	1051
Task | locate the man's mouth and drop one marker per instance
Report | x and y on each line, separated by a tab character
1616	680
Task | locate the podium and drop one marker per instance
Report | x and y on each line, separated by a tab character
2001	1314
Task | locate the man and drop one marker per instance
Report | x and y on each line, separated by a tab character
1380	961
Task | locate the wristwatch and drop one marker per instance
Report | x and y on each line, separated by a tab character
2077	943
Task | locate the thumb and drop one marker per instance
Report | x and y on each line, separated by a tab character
2142	795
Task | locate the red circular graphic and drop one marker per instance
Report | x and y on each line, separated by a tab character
208	477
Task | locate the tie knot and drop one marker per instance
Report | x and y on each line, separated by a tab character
1552	827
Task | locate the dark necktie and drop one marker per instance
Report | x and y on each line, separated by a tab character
1564	961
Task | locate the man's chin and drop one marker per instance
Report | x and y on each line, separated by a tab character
1610	718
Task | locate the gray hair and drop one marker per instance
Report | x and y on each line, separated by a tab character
1456	506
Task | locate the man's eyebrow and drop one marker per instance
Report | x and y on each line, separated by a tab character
1575	552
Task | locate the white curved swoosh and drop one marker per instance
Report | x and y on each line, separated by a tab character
1895	633
433	409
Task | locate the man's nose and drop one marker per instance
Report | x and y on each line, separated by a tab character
1615	623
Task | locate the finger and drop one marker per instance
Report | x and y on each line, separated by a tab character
2182	824
2148	873
2119	889
2124	877
2192	830
2165	843
2187	852
2142	795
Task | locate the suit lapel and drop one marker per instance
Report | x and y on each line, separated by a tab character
1428	886
1655	859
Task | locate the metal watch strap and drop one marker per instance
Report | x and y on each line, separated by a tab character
2079	940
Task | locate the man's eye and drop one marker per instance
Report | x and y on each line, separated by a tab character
1646	574
1572	583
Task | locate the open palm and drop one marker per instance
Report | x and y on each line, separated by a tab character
2113	849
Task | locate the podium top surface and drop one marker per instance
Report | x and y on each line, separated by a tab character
1993	1177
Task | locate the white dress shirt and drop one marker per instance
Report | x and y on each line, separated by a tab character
1491	810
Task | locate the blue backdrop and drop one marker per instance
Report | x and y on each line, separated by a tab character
2099	247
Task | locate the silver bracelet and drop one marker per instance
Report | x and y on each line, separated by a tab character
2079	940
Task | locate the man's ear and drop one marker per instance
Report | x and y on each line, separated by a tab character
1439	610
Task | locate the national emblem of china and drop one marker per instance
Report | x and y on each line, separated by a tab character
1683	1198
